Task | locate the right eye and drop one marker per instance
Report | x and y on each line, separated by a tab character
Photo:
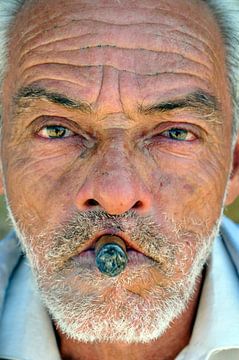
55	132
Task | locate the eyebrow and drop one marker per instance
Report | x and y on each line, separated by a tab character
205	104
54	97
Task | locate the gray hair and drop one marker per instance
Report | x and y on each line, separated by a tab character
226	13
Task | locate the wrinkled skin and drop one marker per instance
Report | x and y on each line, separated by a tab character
120	157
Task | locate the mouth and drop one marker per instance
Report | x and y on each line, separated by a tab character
88	255
91	244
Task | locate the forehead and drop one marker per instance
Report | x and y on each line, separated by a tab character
164	42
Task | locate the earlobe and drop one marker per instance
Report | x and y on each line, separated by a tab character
233	187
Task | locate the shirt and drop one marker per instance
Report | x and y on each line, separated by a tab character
26	331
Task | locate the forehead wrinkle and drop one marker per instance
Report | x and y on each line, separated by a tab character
96	53
63	72
61	65
176	24
140	61
154	34
85	27
152	43
122	70
205	46
84	15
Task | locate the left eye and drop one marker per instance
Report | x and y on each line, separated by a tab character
55	132
178	134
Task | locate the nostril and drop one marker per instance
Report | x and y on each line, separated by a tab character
92	202
137	205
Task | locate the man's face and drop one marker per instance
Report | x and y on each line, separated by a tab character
116	121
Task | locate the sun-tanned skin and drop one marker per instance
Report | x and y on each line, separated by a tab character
118	73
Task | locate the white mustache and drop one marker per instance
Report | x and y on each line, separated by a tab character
142	231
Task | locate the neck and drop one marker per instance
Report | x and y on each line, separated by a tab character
167	347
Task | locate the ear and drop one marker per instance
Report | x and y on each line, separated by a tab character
233	189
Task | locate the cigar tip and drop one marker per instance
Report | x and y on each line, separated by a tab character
111	259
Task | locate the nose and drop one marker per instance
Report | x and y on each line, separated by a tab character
115	187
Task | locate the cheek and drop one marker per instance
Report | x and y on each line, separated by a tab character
39	191
189	194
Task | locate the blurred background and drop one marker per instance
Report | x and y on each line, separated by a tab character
231	211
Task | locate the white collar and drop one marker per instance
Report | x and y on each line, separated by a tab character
26	331
216	330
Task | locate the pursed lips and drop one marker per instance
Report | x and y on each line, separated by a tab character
90	244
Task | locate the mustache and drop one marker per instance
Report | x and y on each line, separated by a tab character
76	233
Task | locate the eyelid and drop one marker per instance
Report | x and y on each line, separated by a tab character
194	129
45	120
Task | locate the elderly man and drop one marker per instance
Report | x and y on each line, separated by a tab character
119	151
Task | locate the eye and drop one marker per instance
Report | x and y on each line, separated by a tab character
55	132
178	134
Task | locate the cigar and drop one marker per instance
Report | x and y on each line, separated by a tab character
111	255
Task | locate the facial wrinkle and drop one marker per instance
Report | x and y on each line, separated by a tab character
119	37
106	51
71	73
152	16
49	32
101	83
109	97
128	60
65	79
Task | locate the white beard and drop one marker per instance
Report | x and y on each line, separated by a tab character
87	319
124	316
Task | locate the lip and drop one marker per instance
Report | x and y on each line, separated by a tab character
90	245
87	259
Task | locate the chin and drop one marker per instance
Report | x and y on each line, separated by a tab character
106	311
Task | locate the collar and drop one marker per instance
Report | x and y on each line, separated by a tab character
9	256
215	334
26	331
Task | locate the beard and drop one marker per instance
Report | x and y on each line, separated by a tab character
139	304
